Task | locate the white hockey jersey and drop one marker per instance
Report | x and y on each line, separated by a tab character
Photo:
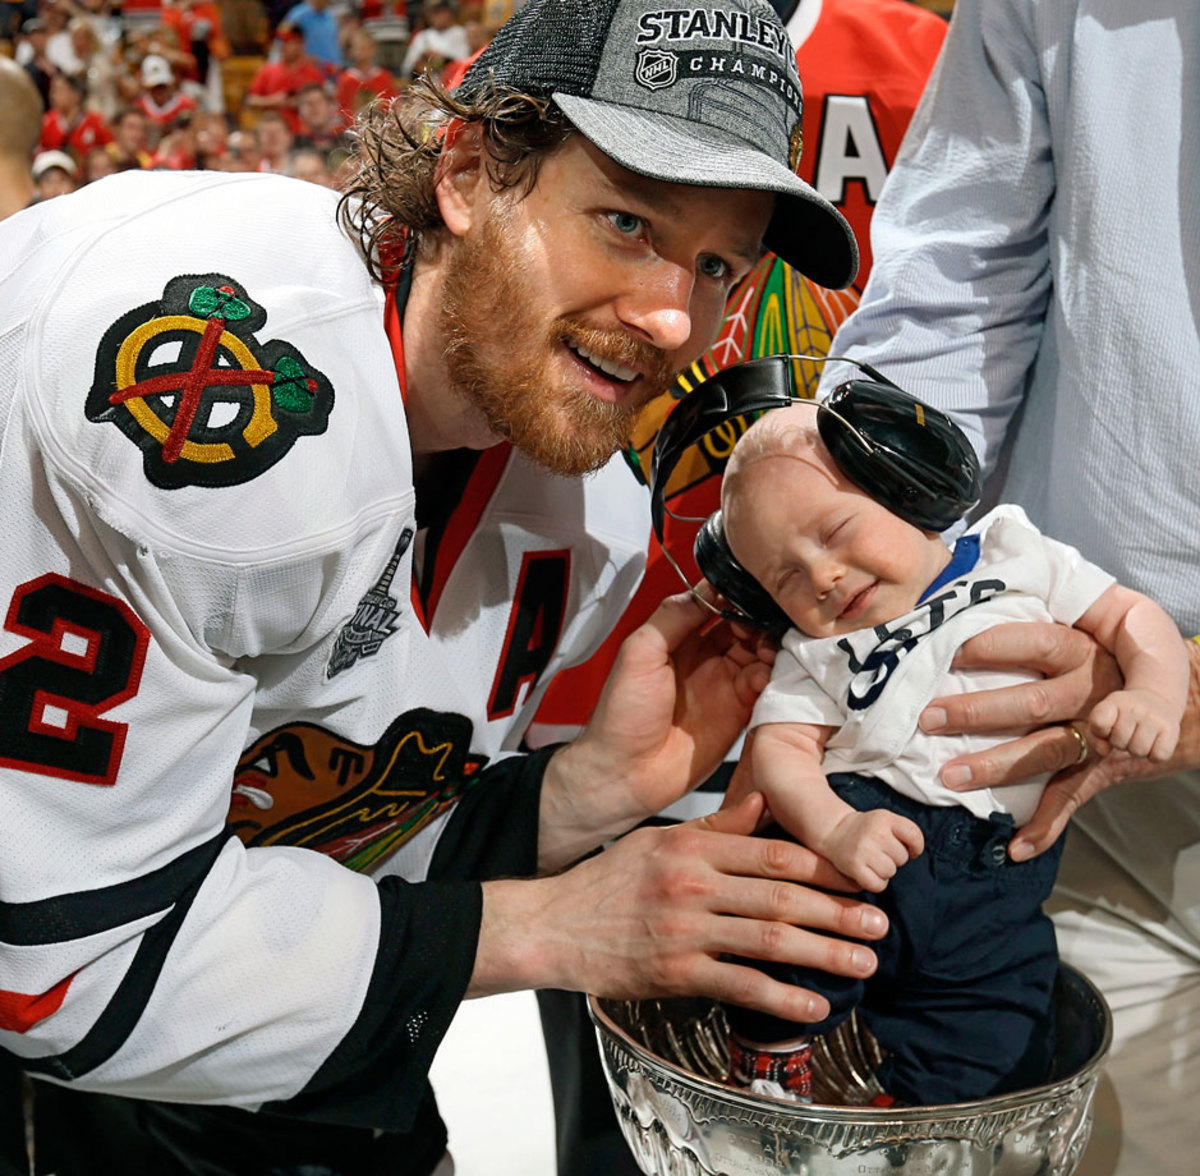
209	525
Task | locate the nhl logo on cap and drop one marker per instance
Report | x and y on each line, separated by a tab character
655	69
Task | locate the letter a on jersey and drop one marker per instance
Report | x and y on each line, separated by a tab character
534	627
187	380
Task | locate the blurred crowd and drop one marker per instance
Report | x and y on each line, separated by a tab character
235	85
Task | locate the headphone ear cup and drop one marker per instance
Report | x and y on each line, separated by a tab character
721	569
907	455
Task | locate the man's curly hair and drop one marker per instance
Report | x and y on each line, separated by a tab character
389	200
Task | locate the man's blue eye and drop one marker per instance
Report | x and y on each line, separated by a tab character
625	222
713	267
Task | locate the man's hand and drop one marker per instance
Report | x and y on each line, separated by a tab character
1077	674
871	846
679	695
655	914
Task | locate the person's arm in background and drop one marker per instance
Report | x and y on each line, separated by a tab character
953	310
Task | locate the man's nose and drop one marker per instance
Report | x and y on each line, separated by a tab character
658	307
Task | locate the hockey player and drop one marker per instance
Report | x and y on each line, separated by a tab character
294	531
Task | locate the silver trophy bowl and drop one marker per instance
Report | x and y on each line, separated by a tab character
666	1062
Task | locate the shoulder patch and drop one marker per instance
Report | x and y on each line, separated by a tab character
374	620
188	382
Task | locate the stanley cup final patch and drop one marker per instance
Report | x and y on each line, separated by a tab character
374	620
190	383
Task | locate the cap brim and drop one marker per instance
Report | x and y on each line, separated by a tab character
805	230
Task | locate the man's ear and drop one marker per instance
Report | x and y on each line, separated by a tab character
461	176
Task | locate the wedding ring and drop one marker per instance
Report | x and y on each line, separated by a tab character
1085	748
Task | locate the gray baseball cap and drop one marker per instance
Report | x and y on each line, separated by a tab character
703	93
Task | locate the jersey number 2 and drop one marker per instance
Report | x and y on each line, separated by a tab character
84	656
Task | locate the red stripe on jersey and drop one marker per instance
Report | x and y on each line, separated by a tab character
391	324
485	477
20	1011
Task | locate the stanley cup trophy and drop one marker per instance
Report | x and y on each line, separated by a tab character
667	1061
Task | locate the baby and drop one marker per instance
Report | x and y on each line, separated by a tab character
961	1001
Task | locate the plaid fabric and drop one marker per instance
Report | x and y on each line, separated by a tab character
791	1069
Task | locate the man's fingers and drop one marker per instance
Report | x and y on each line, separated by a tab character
674	619
1006	709
678	616
1060	800
1041	648
743	985
740	815
758	904
783	943
1048	749
1074	673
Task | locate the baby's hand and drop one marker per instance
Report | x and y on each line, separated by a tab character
1137	721
870	847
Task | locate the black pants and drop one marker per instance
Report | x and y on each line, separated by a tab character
77	1133
12	1121
588	1140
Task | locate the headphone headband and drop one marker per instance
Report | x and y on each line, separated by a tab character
754	386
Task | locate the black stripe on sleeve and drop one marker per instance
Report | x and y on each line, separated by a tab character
90	912
184	876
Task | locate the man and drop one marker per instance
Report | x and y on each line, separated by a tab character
364	80
162	102
55	173
243	152
319	25
309	164
309	541
320	122
275	143
31	53
20	129
1035	254
130	147
277	84
439	43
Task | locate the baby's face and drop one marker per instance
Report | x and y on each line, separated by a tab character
832	558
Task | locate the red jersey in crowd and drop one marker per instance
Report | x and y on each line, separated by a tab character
79	136
277	77
863	66
356	89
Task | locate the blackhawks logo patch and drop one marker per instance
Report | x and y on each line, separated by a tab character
305	785
190	383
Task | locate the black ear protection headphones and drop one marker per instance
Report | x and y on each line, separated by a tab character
909	457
